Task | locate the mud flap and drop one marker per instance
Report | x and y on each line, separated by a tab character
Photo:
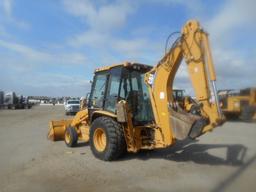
57	129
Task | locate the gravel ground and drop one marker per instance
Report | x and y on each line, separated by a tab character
223	160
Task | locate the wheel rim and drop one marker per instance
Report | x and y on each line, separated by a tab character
99	139
67	137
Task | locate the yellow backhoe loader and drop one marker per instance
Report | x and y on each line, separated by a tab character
187	103
131	105
237	104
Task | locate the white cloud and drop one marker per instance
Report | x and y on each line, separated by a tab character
82	8
130	47
234	15
231	17
22	49
46	80
48	84
134	48
7	6
104	20
40	57
194	6
90	37
106	17
28	71
234	69
111	16
3	32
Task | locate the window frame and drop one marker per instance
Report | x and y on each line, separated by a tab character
90	104
108	87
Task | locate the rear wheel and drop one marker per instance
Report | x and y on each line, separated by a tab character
107	139
232	116
71	137
248	113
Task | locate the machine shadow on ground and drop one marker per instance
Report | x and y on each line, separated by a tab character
234	120
189	150
233	177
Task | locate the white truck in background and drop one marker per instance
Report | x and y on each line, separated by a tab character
72	106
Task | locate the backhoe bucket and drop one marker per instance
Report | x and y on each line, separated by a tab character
57	129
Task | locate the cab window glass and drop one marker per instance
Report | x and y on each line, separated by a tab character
113	89
98	92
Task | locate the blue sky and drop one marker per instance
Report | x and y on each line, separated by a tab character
52	47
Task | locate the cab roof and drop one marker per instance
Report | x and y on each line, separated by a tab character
125	64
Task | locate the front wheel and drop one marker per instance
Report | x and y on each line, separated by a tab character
71	137
107	139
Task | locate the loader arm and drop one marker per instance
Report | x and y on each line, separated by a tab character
193	47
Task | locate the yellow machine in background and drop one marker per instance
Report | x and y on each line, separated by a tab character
239	103
185	102
132	107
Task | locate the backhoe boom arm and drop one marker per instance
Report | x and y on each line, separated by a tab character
193	46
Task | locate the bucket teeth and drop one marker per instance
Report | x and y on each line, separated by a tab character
51	134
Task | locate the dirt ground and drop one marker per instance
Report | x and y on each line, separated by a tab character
224	160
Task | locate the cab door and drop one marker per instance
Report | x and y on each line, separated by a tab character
97	96
113	89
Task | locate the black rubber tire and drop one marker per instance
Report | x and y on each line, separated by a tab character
232	116
73	136
115	141
247	113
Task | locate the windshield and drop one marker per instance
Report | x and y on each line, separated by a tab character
73	102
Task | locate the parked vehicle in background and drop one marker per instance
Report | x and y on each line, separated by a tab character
72	106
239	104
1	98
12	101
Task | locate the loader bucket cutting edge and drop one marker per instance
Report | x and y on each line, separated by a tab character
57	129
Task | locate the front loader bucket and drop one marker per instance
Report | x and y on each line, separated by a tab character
57	129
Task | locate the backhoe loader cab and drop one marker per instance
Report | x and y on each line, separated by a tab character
178	94
185	102
121	82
